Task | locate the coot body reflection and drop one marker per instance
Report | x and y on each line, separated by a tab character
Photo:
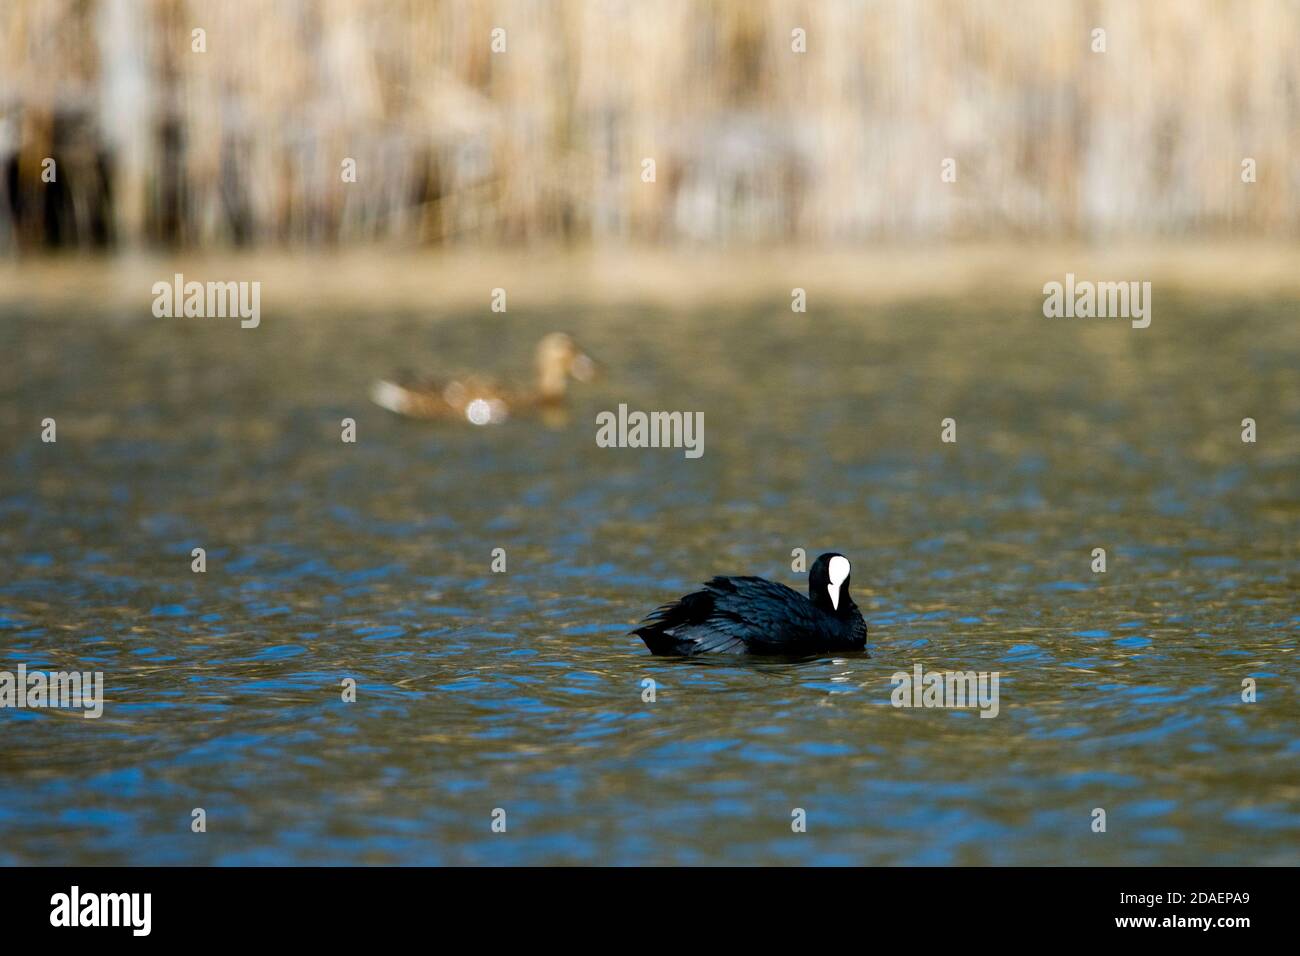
749	615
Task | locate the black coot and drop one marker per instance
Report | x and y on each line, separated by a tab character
747	615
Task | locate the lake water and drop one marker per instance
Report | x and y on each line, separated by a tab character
523	690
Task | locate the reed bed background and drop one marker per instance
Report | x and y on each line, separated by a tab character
242	145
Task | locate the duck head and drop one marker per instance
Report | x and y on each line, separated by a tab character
558	360
828	584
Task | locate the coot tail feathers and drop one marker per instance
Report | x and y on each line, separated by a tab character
656	630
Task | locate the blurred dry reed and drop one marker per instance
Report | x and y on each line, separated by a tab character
242	144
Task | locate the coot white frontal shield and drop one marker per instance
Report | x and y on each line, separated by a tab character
839	573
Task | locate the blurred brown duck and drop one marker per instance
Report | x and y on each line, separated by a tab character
482	401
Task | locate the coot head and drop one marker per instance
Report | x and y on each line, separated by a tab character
828	584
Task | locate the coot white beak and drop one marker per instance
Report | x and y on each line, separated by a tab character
838	573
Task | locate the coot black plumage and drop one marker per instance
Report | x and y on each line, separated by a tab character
748	615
